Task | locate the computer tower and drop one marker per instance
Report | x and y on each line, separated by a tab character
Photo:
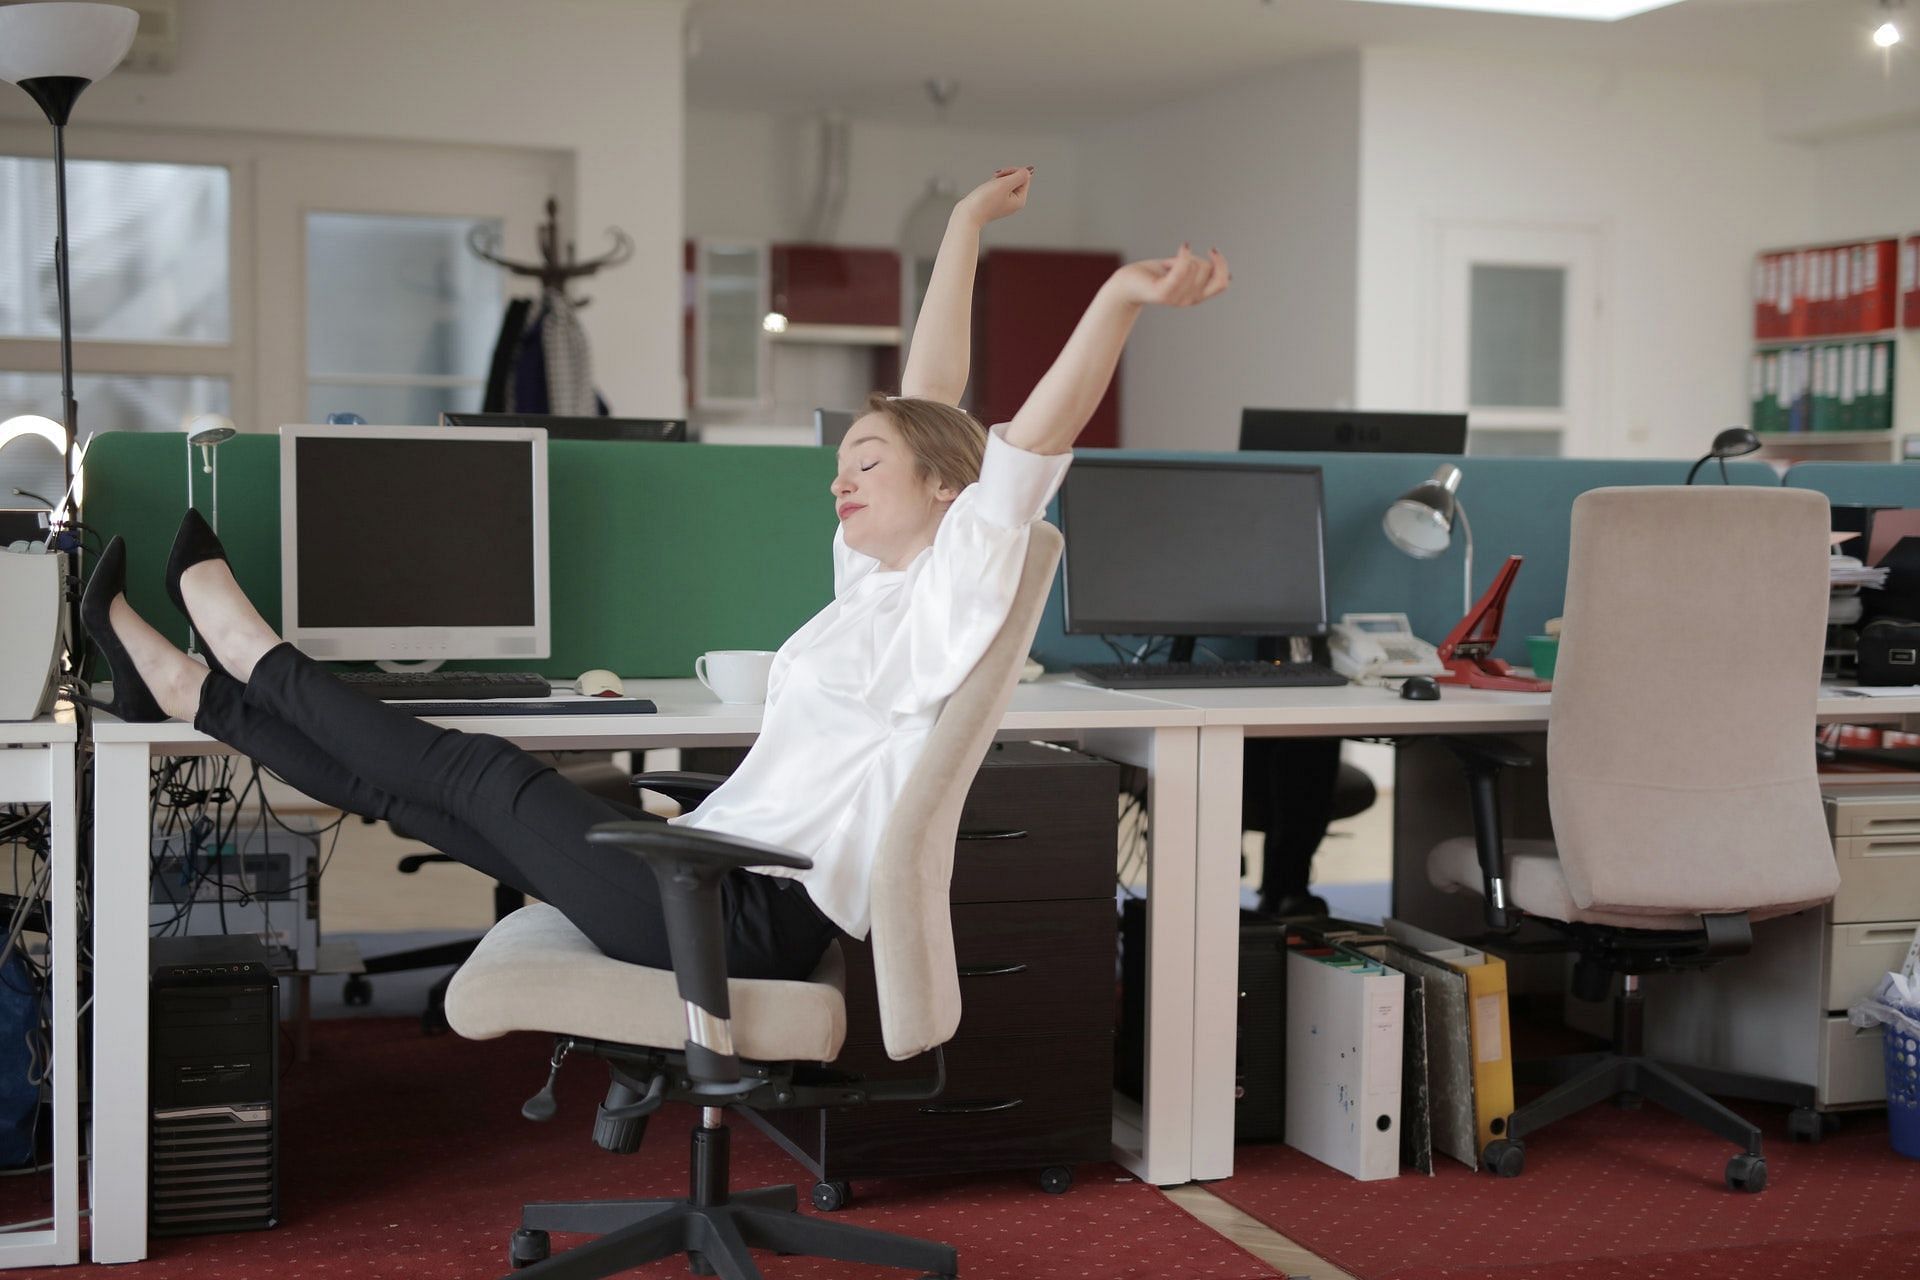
1260	1043
215	1032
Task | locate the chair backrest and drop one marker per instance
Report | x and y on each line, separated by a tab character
912	925
1680	747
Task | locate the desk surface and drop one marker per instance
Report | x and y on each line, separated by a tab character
34	733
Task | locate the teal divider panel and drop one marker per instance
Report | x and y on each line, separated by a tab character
659	551
1862	484
1516	505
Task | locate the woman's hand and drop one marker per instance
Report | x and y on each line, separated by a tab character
1183	280
1000	196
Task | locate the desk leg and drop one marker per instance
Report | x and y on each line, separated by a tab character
1216	949
63	942
121	841
1159	1151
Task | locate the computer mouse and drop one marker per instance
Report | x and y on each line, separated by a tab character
1420	688
600	683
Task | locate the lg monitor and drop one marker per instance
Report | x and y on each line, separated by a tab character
830	426
1330	431
1193	548
672	430
408	543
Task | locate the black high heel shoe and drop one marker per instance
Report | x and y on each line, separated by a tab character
132	700
193	543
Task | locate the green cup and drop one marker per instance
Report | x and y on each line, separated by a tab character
1544	651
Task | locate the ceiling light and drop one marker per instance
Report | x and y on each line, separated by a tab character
1592	10
1887	36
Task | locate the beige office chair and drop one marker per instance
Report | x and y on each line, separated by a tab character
692	1035
1681	773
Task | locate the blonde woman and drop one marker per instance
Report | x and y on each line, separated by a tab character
934	513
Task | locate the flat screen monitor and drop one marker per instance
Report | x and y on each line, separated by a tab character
408	543
1193	548
1344	431
672	430
830	426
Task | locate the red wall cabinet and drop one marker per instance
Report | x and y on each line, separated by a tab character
1026	303
834	284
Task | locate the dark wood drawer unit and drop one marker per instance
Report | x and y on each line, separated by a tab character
1029	1074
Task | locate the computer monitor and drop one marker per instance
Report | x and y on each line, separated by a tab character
408	543
671	430
830	426
1193	548
1344	431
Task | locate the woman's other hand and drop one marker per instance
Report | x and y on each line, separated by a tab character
1000	196
1183	280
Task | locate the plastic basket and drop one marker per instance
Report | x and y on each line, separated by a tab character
1903	1090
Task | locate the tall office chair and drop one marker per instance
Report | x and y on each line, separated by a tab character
693	1035
1681	782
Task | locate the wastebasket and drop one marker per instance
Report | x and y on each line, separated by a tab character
1903	1088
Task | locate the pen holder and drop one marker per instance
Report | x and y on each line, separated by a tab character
1543	652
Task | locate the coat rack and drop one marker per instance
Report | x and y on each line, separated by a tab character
553	270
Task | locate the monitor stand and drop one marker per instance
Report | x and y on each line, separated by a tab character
1182	650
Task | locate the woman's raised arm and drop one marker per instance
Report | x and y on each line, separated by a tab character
940	353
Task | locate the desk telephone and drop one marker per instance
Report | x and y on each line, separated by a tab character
1368	647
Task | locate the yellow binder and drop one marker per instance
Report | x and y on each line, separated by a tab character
1489	1035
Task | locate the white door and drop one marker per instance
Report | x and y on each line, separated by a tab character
1518	340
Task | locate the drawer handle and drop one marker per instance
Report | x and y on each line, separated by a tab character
990	970
970	1108
993	835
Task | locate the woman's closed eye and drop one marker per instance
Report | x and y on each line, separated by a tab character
868	466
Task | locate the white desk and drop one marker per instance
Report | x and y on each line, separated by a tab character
36	767
1151	733
1229	717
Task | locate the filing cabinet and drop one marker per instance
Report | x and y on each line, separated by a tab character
1781	1010
1029	1072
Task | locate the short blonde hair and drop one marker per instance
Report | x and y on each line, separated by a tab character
947	444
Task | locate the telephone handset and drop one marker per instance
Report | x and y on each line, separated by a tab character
1366	647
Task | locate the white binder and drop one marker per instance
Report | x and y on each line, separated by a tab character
1343	1060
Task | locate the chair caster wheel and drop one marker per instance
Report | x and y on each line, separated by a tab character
358	991
697	1264
830	1196
1504	1158
1747	1173
528	1247
1804	1124
1056	1180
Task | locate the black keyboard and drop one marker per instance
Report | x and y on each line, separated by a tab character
569	707
420	686
1204	675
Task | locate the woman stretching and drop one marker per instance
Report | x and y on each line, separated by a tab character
934	515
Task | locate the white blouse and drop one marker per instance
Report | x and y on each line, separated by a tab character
854	692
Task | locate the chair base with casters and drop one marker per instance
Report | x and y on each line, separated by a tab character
1523	877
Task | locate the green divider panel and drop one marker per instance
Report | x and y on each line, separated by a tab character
659	551
1516	505
1863	484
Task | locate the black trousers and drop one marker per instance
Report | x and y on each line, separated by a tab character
484	802
1287	790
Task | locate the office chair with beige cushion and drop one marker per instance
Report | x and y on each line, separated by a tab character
692	1035
1681	772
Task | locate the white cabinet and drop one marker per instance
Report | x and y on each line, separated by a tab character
729	306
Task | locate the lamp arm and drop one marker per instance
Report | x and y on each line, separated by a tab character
69	411
1466	526
1694	470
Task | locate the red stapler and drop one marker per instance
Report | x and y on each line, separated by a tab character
1467	651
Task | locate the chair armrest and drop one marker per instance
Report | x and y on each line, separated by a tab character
689	865
1483	758
679	787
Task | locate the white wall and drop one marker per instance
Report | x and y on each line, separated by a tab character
1267	170
751	175
1676	169
1868	184
601	78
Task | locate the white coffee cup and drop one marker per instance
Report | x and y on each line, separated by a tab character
735	675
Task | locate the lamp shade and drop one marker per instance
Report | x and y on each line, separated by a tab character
1420	521
81	40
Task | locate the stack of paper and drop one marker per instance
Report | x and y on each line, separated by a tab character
1845	571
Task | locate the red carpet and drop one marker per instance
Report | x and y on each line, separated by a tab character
405	1156
1607	1193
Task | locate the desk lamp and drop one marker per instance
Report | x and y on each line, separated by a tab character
1734	442
1420	523
207	430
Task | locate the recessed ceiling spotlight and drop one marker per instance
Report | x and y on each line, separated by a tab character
1591	10
1888	34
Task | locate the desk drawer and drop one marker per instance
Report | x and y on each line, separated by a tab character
1895	814
1853	1065
1039	822
1026	968
1859	954
1879	878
